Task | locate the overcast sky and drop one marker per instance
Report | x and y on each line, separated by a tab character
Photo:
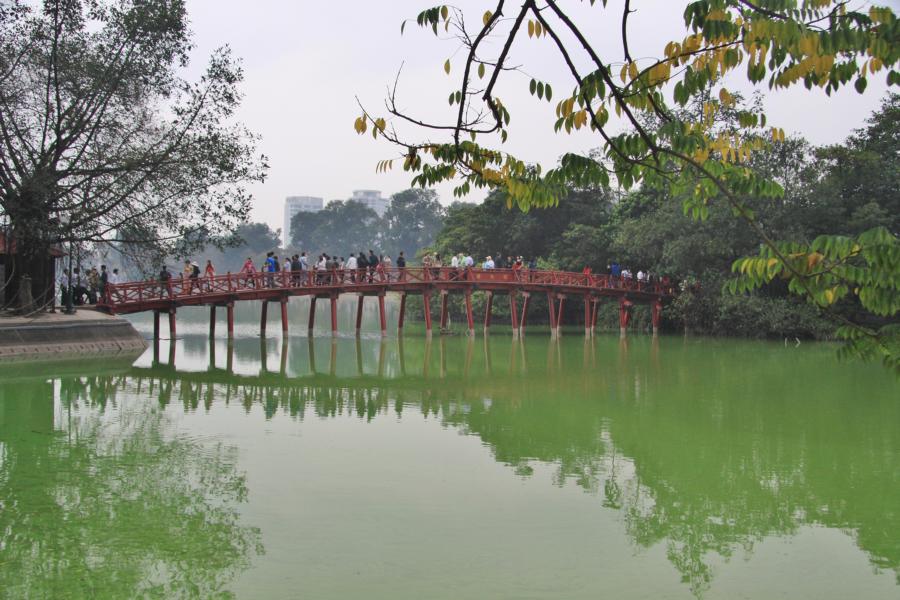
306	62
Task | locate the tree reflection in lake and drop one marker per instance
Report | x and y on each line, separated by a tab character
708	451
101	498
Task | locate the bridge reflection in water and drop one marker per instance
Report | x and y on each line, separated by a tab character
676	437
707	464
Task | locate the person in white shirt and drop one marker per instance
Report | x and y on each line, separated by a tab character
454	262
488	263
641	276
469	261
304	269
114	277
351	266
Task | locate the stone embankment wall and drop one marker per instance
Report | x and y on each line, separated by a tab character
63	336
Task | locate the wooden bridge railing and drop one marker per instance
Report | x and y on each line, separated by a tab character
225	290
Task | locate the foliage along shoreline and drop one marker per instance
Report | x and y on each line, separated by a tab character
845	188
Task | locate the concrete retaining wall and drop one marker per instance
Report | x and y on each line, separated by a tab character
78	338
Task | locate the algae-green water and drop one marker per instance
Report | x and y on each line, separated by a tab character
451	468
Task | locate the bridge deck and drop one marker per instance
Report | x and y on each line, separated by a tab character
225	290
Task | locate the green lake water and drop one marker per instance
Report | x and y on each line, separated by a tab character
452	468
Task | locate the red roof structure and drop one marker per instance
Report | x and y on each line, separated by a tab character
56	250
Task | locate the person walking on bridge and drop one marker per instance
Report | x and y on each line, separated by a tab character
209	272
373	265
165	282
401	266
304	269
269	268
195	277
351	267
248	271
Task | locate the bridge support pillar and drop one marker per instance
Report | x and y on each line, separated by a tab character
312	314
445	314
624	315
402	313
381	315
469	319
229	310
588	330
551	304
426	302
514	313
284	316
488	308
359	313
594	316
655	314
212	321
559	314
524	315
263	317
334	300
155	324
171	325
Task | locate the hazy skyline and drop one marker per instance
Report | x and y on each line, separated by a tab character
306	62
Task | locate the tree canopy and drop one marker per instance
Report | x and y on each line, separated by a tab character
412	220
105	141
632	104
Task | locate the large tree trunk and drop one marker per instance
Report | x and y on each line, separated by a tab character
33	281
30	280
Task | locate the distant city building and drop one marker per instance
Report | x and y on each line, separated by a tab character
295	204
372	199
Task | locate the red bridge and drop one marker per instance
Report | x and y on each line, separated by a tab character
225	290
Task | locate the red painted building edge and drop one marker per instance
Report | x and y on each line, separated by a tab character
56	250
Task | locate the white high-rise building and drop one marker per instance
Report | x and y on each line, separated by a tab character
294	205
372	199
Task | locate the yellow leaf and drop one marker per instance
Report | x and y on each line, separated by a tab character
487	17
725	97
444	12
624	73
530	28
481	71
447	66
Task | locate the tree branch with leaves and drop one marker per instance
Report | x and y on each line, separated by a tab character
649	142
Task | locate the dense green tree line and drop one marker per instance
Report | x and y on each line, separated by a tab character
845	189
411	222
